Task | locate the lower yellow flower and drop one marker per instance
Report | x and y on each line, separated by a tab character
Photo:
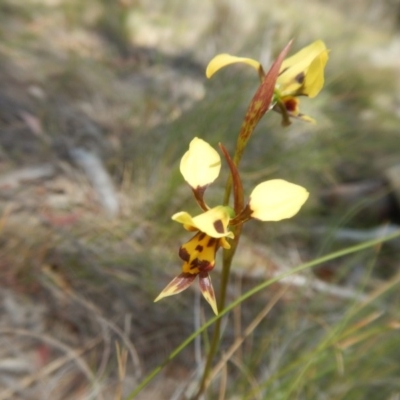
271	200
198	255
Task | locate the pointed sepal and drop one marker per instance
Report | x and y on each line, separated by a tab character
260	103
207	290
177	285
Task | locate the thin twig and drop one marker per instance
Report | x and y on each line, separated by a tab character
223	384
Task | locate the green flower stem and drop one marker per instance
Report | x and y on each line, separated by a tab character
255	290
226	267
227	255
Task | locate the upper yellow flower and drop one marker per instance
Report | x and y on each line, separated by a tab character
300	75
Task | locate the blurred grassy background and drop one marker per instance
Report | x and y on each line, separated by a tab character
121	83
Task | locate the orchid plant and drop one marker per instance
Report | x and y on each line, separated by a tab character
280	88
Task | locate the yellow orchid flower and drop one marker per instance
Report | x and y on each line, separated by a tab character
300	75
271	200
199	252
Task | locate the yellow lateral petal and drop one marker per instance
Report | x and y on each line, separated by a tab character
276	199
222	60
183	218
201	164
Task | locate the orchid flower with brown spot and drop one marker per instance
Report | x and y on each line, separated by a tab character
271	200
299	75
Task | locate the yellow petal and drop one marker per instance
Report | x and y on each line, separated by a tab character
207	291
276	199
177	285
222	60
213	222
303	58
201	164
314	80
295	68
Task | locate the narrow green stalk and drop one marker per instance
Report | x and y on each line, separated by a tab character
228	254
226	266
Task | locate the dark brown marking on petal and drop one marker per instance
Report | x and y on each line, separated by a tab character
199	248
194	264
201	236
211	242
206	266
183	254
219	227
185	275
291	105
299	78
202	265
